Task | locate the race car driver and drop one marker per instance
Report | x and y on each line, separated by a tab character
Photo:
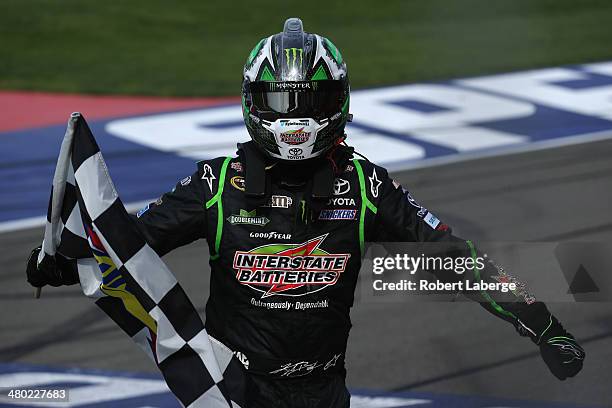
286	222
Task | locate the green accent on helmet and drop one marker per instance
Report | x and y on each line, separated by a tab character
320	75
345	107
335	52
266	75
255	51
245	110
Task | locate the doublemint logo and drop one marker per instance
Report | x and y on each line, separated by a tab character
248	217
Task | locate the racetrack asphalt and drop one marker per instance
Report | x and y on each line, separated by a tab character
561	194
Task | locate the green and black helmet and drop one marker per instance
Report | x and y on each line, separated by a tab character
295	94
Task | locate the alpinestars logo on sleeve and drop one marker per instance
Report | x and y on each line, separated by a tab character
374	183
208	175
289	269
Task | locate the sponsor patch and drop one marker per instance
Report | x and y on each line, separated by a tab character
237	182
341	186
341	201
293	85
338	214
521	289
270	235
421	210
295	153
208	176
143	210
237	166
242	358
184	182
248	217
374	183
295	137
279	201
295	122
349	167
289	269
431	220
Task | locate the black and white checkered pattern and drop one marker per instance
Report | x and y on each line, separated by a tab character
199	370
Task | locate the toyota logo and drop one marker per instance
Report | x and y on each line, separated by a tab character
341	186
295	151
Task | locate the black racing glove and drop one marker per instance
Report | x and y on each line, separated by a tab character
559	349
563	355
52	270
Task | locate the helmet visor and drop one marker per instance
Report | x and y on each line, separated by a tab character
296	99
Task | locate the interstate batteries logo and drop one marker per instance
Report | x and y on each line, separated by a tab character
295	137
289	269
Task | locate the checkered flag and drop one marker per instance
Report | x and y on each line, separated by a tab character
88	224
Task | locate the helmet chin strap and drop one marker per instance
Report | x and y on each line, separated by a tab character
257	185
317	174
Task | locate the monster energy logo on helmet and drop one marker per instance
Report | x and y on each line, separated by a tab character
293	52
293	86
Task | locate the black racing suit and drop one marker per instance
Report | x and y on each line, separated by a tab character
283	275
